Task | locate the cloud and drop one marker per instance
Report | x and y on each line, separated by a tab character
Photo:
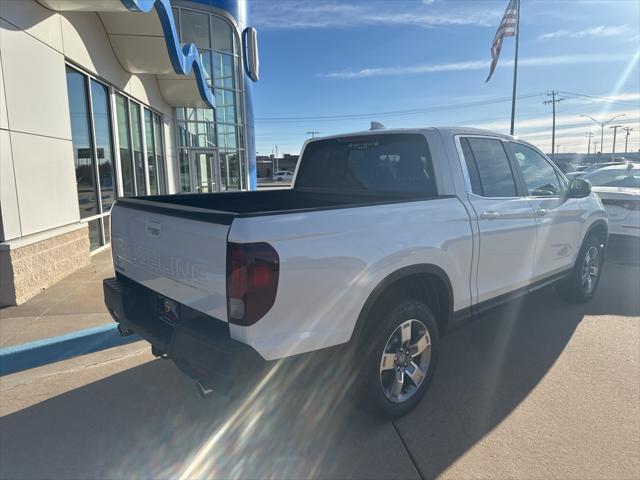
297	14
596	31
472	65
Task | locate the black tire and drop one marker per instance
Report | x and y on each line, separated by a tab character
573	288
371	395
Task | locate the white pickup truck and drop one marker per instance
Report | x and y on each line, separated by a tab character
387	239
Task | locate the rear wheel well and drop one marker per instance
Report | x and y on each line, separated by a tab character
429	288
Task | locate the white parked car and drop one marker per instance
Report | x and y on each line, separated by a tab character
619	188
387	239
283	176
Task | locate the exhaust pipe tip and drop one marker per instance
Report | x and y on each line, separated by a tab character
124	331
203	392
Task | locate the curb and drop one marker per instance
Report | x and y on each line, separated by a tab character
49	350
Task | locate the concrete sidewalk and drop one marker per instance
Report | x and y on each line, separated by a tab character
75	303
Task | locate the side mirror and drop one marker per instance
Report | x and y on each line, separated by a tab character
579	188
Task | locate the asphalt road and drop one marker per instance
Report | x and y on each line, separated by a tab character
536	389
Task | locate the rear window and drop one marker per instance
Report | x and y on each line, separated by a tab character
615	177
391	164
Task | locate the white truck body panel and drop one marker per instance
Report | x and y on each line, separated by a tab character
332	259
182	259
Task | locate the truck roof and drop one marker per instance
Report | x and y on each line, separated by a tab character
443	130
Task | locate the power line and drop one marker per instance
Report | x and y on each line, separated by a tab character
397	112
603	99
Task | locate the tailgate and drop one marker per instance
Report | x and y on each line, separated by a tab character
179	252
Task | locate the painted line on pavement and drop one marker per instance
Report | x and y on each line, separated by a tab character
49	350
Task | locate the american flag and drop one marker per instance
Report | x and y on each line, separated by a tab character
508	28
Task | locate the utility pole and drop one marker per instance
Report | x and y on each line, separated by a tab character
626	140
276	159
589	136
553	102
613	150
313	133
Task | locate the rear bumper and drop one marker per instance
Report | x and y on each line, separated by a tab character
200	345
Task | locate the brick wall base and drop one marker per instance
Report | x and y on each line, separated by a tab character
27	270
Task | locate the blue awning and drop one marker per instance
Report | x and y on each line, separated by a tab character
144	38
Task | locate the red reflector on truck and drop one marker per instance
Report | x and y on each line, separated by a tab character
252	281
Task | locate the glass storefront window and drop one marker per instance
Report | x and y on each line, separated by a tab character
93	148
124	141
221	128
138	160
82	144
222	34
185	175
95	233
107	228
151	152
157	130
223	70
102	129
195	28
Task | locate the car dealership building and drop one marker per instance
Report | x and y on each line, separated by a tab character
107	98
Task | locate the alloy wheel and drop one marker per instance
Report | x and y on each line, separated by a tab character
590	269
405	361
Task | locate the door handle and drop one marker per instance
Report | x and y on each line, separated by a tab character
489	215
541	212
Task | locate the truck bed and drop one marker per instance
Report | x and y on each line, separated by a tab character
231	204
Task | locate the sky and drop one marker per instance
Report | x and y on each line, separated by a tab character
334	66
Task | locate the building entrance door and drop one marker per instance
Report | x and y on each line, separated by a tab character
206	176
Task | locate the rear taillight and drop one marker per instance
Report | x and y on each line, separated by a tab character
628	204
252	281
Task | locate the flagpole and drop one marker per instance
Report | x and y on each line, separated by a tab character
515	73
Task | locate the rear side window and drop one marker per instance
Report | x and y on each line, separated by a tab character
539	176
392	164
488	167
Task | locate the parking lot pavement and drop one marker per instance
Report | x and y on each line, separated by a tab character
536	389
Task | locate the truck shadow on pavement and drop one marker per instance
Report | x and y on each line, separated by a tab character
147	422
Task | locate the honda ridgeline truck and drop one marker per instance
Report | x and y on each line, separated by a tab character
386	240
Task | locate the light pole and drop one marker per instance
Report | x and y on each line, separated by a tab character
626	140
589	136
613	150
602	125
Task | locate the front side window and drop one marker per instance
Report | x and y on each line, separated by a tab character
393	164
539	176
488	167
